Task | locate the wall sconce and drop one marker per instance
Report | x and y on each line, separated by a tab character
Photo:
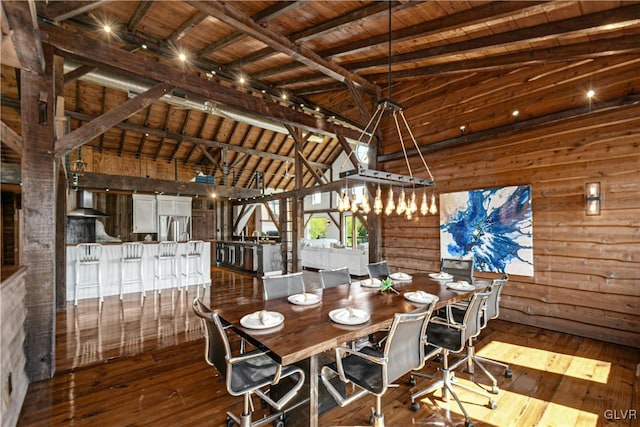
593	198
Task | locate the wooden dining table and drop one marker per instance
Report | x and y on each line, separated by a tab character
307	330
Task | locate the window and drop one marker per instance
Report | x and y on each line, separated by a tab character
362	153
317	227
316	198
361	234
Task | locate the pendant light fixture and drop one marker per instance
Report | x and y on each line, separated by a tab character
407	203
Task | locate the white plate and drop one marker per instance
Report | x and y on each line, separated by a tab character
420	297
401	277
253	320
304	299
371	283
460	286
440	276
346	317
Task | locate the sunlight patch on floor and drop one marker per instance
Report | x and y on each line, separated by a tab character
522	409
580	367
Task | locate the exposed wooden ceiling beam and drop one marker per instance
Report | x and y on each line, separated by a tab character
581	25
446	23
116	115
479	14
99	181
141	10
21	19
231	16
10	138
263	16
575	52
187	26
96	52
61	10
192	139
538	122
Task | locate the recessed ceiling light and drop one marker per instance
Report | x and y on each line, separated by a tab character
144	46
515	113
318	109
284	96
242	80
182	57
106	29
590	93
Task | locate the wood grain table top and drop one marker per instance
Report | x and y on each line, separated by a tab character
308	330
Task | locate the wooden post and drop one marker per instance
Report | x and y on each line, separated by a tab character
39	179
61	193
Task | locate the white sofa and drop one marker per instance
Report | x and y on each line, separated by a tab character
327	258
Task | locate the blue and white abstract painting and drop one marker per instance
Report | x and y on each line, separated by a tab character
494	227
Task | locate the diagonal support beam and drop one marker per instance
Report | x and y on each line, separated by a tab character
11	139
103	123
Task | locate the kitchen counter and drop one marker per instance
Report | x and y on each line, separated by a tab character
255	256
110	267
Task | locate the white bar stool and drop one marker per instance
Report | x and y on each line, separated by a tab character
88	257
193	256
131	255
166	257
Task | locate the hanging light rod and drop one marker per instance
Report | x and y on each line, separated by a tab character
382	177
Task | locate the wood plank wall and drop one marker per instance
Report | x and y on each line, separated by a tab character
587	268
12	367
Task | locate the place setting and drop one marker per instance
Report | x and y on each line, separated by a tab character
441	276
369	283
349	316
420	297
262	319
304	299
461	286
400	277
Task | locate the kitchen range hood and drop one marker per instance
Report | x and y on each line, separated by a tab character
84	206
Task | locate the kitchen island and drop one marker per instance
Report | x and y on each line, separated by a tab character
111	270
255	256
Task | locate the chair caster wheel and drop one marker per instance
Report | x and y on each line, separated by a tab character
280	422
508	373
495	389
412	381
415	406
493	404
230	422
469	424
437	359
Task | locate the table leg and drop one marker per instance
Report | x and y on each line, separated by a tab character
313	391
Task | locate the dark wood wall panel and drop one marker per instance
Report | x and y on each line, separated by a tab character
587	269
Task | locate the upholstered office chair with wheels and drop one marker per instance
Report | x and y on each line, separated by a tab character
247	373
335	277
460	269
378	270
282	286
490	311
372	370
451	337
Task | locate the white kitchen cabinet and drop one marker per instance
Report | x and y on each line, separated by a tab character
174	205
145	216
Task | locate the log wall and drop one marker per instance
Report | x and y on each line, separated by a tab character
587	268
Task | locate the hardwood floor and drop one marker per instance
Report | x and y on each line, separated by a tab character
138	365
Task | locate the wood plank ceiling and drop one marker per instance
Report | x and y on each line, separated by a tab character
304	63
